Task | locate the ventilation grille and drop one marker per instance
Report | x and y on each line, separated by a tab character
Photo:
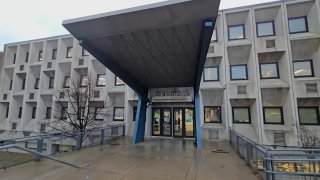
213	134
21	67
49	65
14	126
5	96
242	89
311	87
279	139
31	96
270	43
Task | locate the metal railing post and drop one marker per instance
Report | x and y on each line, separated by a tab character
102	136
268	167
123	130
248	153
238	144
39	148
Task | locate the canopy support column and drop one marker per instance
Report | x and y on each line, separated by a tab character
140	119
208	27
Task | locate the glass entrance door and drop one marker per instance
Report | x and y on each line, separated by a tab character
183	122
161	122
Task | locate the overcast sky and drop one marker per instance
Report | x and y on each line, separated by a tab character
31	19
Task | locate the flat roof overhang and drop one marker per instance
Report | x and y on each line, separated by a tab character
152	46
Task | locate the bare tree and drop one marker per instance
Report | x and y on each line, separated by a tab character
75	110
307	137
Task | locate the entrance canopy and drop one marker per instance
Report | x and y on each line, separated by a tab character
152	46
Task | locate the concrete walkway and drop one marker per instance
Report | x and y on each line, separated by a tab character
156	159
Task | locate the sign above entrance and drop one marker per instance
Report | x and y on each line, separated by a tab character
165	95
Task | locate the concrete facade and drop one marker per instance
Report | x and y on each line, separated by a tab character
287	92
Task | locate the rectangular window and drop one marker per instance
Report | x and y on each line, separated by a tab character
54	54
7	112
36	84
236	32
241	115
69	52
14	58
265	29
134	113
118	114
67	82
214	37
309	115
212	114
119	82
14	126
43	128
34	111
273	115
83	81
11	82
298	25
211	73
101	80
64	113
303	68
51	82
269	70
84	52
48	113
40	58
20	112
99	113
27	56
23	84
239	72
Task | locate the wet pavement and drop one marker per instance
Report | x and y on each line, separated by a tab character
157	159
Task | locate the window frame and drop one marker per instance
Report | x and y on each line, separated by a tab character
238	107
36	83
311	66
20	112
7	112
81	79
14	58
264	22
65	82
244	32
134	112
299	17
10	85
27	57
216	34
48	115
67	54
97	81
34	113
64	110
114	110
204	114
115	82
277	66
218	74
51	82
54	54
309	107
281	111
235	65
95	113
40	55
23	85
83	52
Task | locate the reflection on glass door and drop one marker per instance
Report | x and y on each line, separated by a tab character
188	122
156	122
161	122
178	123
166	125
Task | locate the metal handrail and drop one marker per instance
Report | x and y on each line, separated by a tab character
86	165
